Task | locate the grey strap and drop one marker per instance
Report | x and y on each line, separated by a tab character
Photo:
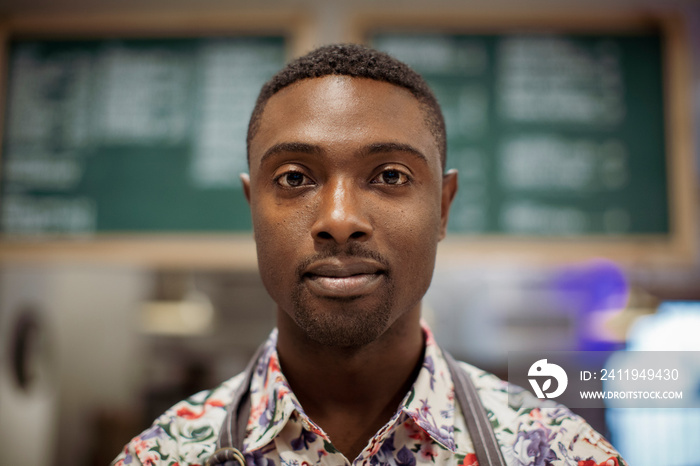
230	443
488	452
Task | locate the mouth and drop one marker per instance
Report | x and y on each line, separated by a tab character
343	279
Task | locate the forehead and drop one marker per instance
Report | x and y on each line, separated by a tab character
341	111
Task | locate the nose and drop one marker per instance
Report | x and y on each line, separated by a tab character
341	217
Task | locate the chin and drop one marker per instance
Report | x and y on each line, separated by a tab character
342	324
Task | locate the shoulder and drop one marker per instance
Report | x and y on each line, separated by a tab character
532	430
186	433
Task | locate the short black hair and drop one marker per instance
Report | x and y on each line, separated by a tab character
357	61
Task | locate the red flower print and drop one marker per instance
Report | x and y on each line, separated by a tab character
186	413
283	391
215	403
470	460
609	462
141	445
151	459
429	339
317	431
424	407
258	410
274	365
414	431
427	451
375	445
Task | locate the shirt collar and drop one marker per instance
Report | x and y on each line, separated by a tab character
429	403
272	402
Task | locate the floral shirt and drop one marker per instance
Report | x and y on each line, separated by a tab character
426	428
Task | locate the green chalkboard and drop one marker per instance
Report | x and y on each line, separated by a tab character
553	135
137	135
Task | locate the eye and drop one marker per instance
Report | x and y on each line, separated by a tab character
293	179
391	177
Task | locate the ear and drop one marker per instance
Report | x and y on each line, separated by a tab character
449	189
245	180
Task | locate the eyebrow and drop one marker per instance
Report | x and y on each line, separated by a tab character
371	149
298	147
384	147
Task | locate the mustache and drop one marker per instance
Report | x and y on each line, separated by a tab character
352	250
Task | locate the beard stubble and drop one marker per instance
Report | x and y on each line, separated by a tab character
347	322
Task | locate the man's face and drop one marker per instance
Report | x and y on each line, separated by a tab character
348	205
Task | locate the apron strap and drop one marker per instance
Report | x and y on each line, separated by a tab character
488	452
229	445
230	442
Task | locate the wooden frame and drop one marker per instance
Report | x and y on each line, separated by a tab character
162	250
680	246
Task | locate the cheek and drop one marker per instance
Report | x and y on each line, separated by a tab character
279	234
412	235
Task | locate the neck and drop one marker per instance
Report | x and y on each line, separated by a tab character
351	392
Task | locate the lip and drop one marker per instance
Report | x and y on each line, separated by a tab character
343	278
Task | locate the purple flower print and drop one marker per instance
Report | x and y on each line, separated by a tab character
405	457
257	457
424	407
426	421
385	452
303	440
269	412
430	365
152	432
532	448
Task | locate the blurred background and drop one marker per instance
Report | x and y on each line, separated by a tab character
128	278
